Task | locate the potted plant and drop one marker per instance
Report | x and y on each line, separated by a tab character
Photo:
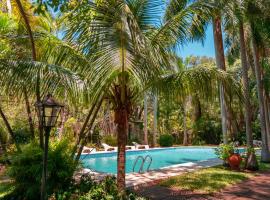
228	154
235	161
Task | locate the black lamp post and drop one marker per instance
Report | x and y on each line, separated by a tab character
48	110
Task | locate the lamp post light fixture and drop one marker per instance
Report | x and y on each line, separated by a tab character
48	111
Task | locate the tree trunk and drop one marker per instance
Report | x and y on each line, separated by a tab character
64	115
9	129
265	153
185	140
245	85
220	61
121	120
29	114
9	7
267	117
145	120
155	120
82	132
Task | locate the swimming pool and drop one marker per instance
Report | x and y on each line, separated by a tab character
107	162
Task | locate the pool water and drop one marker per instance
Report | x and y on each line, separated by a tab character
107	162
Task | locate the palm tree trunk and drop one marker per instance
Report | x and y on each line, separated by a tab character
220	61
267	117
265	153
9	129
155	120
9	7
29	114
245	85
121	120
64	115
185	140
145	120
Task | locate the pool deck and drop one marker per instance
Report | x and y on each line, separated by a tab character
135	180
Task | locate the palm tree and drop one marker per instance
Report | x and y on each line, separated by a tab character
257	39
210	8
245	83
127	52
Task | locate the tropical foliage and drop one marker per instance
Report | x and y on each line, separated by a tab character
116	66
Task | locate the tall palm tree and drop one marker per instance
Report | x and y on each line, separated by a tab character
214	11
257	21
245	83
220	61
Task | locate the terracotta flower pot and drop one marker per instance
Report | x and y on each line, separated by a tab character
235	161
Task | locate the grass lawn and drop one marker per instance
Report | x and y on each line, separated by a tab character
209	180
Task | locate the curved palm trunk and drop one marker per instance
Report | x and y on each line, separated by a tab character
246	85
145	120
155	120
9	129
220	60
34	57
265	153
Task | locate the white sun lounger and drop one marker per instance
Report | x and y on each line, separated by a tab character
140	146
108	147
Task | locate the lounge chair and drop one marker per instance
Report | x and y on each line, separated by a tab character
108	147
140	146
87	150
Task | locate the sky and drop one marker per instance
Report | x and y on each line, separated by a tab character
197	49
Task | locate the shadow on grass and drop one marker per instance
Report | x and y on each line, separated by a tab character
206	180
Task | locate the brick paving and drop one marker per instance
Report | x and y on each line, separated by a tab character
256	188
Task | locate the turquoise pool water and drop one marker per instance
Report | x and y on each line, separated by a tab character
106	162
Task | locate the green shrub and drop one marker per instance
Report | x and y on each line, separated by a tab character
166	140
207	131
224	151
110	140
21	132
26	170
87	189
107	190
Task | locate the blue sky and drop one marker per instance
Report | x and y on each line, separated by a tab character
197	49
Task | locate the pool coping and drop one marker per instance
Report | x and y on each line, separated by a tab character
135	180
